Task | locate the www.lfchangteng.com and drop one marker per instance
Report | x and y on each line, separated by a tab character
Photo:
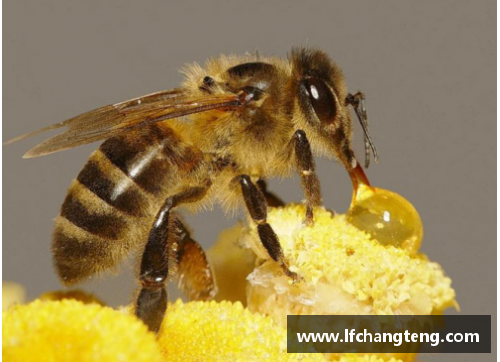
397	339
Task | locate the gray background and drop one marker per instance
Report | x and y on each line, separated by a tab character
428	69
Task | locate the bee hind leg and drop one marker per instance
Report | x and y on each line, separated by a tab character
271	199
195	277
257	207
151	303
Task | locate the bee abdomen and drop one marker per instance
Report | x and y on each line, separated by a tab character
115	193
79	254
95	228
114	198
145	161
90	236
104	225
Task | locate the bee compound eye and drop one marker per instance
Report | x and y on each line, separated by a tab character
321	98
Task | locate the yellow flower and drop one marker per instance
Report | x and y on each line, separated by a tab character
211	331
69	330
232	262
345	271
75	294
61	328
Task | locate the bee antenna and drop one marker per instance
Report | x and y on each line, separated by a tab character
358	102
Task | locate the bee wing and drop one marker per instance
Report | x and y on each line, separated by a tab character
112	120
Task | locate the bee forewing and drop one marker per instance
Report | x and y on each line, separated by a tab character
112	120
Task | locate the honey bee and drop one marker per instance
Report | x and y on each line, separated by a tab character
232	124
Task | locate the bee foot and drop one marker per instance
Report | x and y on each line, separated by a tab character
308	221
294	277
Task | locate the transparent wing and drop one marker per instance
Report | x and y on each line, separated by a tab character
112	120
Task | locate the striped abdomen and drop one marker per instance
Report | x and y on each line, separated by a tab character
113	201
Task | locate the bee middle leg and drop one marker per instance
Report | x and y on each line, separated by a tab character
151	303
257	207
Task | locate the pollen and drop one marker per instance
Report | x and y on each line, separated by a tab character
69	330
344	271
75	294
225	331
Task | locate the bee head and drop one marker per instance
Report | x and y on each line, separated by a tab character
322	107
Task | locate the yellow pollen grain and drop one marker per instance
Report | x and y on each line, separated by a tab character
225	331
384	280
69	330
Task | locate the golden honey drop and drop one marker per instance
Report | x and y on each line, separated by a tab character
388	217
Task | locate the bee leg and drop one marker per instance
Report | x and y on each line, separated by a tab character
257	207
152	300
196	278
271	199
308	178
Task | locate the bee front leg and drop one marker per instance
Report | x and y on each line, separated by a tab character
152	300
305	165
257	207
